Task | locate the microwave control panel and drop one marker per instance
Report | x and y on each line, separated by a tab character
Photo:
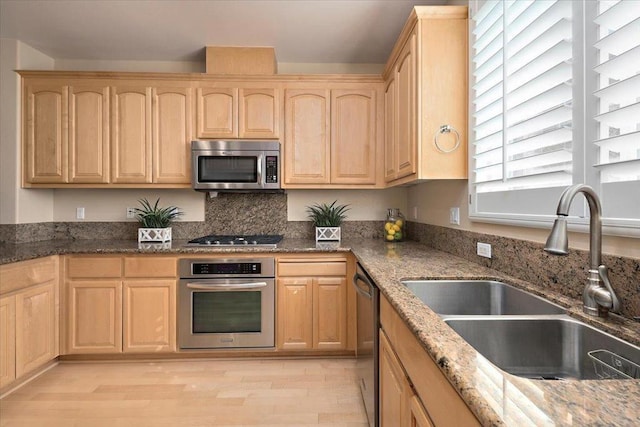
272	169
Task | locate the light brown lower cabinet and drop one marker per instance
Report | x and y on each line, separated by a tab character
36	333
94	315
118	304
28	317
149	321
395	389
312	305
7	340
413	390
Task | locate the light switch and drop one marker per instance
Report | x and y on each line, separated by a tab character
79	213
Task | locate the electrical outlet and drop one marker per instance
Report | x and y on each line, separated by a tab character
415	212
484	250
131	213
79	213
454	216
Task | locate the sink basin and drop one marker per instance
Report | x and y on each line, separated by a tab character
549	348
479	297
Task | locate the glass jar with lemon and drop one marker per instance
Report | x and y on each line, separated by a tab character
394	226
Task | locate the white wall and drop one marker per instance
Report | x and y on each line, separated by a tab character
18	205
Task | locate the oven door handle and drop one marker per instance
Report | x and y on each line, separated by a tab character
204	286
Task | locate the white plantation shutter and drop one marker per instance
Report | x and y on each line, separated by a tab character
522	104
555	100
618	107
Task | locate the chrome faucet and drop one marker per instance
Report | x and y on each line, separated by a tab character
598	296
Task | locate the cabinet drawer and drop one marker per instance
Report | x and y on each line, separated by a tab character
312	268
94	267
150	267
23	274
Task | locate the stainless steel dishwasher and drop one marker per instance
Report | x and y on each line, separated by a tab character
368	308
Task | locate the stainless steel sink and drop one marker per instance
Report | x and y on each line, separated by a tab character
558	347
479	297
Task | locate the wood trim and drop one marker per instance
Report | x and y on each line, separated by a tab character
7	340
312	268
151	266
204	78
93	267
22	274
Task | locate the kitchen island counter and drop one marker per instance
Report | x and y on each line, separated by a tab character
496	398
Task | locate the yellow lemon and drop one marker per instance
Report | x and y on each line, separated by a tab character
389	237
391	232
399	223
396	227
387	226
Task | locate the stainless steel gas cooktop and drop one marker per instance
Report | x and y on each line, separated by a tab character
221	241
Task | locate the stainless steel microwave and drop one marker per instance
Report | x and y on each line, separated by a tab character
235	165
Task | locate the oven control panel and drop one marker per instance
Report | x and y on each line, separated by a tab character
241	268
225	268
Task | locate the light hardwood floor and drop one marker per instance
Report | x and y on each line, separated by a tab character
300	392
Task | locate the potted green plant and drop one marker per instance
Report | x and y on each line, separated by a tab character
327	220
155	221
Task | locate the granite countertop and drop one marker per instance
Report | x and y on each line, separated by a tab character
495	397
25	251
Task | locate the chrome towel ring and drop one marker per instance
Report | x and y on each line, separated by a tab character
446	129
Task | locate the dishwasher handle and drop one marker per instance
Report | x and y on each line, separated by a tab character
359	277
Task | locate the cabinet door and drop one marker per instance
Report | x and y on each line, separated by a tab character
418	415
307	132
149	321
330	313
7	340
394	388
294	313
94	316
46	133
217	113
172	135
259	113
390	129
131	135
89	134
406	155
353	136
36	321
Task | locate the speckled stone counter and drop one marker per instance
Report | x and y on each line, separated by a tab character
24	251
495	397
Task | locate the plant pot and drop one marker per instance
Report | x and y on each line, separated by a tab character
327	234
154	235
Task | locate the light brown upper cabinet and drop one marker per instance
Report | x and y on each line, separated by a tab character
307	132
331	137
131	134
248	113
426	88
83	131
89	133
45	137
172	133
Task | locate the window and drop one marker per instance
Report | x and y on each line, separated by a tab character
548	112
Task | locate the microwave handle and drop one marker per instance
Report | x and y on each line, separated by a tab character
259	170
205	286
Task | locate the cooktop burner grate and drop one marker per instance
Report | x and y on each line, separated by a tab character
260	240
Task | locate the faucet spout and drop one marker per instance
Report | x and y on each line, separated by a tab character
598	295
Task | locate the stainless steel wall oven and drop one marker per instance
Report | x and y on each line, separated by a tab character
226	303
